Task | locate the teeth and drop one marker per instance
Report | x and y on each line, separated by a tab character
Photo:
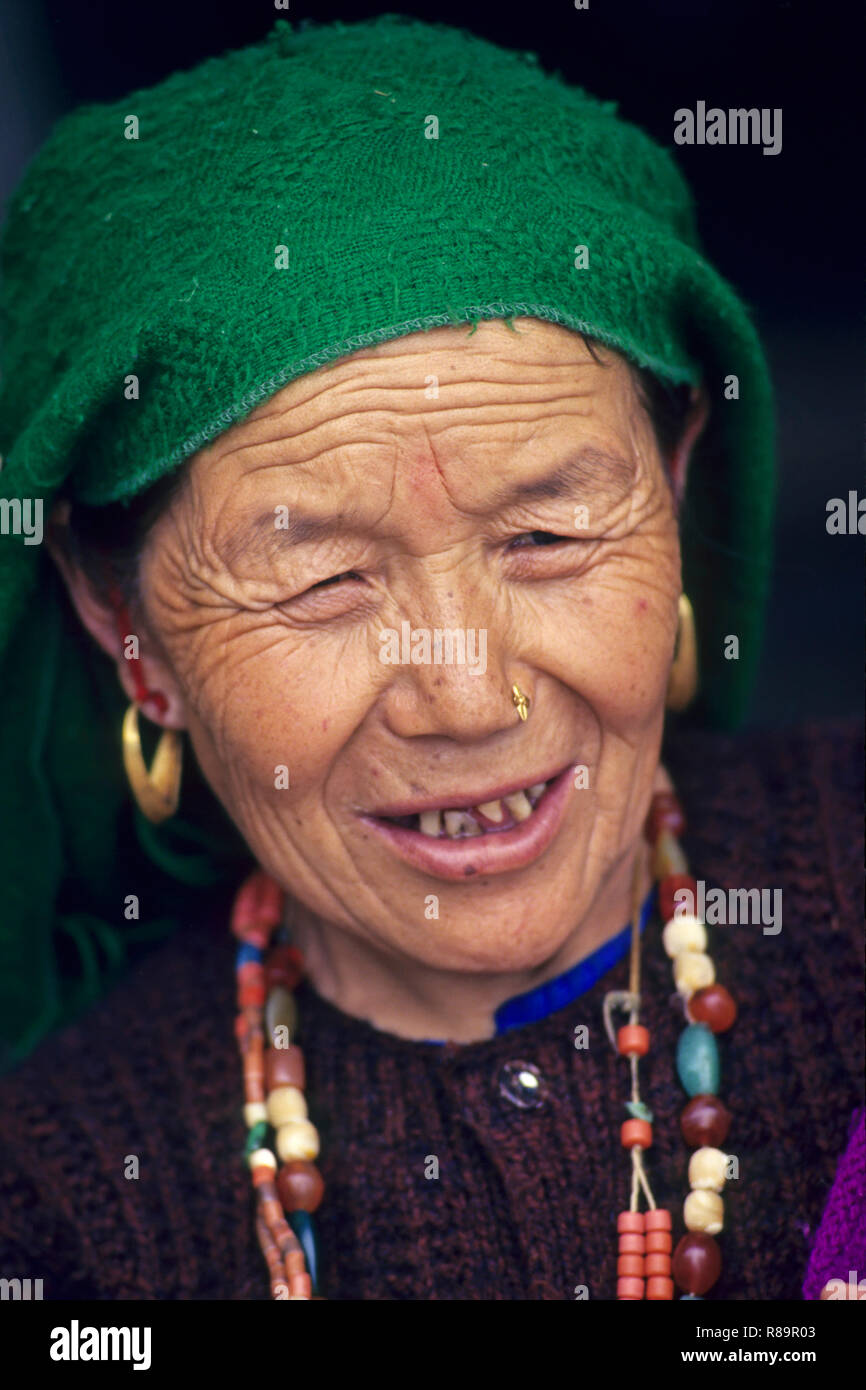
431	823
459	823
519	806
462	823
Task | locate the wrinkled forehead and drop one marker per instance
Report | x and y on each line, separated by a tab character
486	402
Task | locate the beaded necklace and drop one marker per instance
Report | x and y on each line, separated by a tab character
269	968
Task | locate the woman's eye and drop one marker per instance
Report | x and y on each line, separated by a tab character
531	539
334	579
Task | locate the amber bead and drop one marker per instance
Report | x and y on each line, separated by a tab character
286	1104
300	1186
714	1007
704	1211
284	1066
665	813
633	1040
697	1263
668	886
705	1122
297	1139
636	1132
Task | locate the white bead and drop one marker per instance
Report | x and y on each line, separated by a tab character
684	934
708	1169
286	1103
262	1158
704	1211
297	1139
255	1113
693	970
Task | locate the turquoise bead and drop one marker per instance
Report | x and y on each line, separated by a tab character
256	1138
301	1223
698	1061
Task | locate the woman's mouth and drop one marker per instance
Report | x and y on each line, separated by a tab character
496	835
487	818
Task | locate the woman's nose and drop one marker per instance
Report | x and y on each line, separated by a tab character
447	682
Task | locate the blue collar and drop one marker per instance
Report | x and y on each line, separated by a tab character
555	994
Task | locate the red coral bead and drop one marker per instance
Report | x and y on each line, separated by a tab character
705	1122
633	1040
659	1288
658	1242
629	1288
632	1243
631	1221
636	1132
659	1219
257	908
665	813
285	967
251	995
697	1262
713	1006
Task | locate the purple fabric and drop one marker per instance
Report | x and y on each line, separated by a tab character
839	1251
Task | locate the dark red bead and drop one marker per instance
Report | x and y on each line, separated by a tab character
285	967
713	1006
697	1263
300	1186
284	1066
665	813
705	1122
668	886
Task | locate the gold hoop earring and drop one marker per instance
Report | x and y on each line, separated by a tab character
683	678
521	702
157	792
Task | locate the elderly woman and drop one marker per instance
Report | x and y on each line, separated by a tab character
404	459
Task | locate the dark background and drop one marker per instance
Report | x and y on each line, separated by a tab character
786	230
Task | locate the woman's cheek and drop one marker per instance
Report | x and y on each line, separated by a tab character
279	719
609	646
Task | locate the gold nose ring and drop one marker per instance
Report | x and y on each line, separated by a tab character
521	701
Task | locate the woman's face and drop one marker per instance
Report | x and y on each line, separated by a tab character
502	486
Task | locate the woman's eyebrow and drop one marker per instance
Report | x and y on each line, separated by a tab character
591	468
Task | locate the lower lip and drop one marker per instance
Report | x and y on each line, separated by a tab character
495	852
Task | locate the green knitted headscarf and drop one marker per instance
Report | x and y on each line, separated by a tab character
214	238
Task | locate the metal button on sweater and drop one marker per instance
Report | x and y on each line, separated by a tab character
522	1085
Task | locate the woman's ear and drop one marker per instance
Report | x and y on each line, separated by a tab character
133	651
696	419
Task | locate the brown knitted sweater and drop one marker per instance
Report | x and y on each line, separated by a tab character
525	1203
